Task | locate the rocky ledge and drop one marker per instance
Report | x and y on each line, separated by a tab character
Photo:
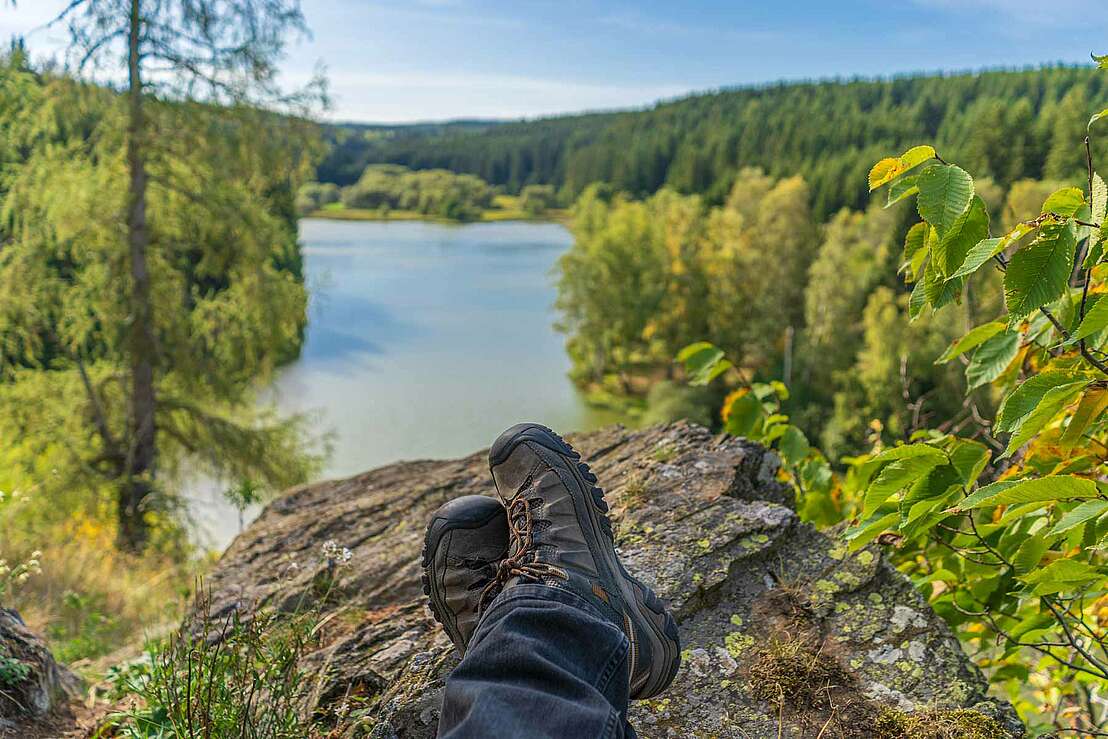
35	691
785	633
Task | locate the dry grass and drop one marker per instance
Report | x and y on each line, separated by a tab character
792	673
92	600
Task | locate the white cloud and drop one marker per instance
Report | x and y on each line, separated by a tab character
413	97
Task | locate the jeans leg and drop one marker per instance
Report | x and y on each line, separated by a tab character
543	663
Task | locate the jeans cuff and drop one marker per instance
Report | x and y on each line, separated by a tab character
538	591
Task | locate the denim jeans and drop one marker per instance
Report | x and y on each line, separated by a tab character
543	663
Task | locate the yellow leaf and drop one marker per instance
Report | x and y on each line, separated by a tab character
884	171
734	395
916	155
1093	404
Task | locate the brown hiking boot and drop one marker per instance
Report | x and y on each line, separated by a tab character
560	535
465	542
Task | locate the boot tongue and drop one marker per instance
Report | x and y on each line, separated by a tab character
515	472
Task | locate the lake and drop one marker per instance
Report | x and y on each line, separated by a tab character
424	341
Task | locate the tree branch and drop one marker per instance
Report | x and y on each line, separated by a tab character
1066	335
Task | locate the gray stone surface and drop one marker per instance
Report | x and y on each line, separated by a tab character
42	692
701	518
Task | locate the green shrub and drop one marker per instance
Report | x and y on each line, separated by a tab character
232	676
668	402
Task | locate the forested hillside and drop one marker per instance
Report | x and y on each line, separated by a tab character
1007	125
353	146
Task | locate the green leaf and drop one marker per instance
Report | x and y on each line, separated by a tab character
921	516
1065	202
1095	320
1030	553
703	362
693	349
1029	394
1101	61
1096	247
897	476
939	290
1092	405
981	494
915	250
971	340
908	451
868	530
1100	198
905	187
1019	511
937	485
1088	510
1053	487
1028	426
965	233
981	252
1060	575
1039	274
1032	622
992	358
1096	117
816	475
968	458
793	445
945	192
743	416
986	249
917	301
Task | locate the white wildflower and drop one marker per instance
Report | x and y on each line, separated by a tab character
336	554
36	554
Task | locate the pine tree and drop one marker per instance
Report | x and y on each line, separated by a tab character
143	230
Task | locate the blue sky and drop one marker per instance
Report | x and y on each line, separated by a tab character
411	60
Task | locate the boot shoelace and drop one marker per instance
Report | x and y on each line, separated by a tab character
522	562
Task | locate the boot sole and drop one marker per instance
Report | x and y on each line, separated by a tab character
647	608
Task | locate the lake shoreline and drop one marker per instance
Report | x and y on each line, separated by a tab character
399	216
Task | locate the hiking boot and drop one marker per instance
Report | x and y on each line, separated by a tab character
560	536
465	542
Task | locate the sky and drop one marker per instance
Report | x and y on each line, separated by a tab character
420	60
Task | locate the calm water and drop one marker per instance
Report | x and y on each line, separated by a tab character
424	341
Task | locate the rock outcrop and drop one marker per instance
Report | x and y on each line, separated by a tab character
780	625
33	687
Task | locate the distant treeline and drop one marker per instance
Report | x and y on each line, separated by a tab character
438	193
351	147
1008	125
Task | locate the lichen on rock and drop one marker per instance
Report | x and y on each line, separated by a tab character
701	518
